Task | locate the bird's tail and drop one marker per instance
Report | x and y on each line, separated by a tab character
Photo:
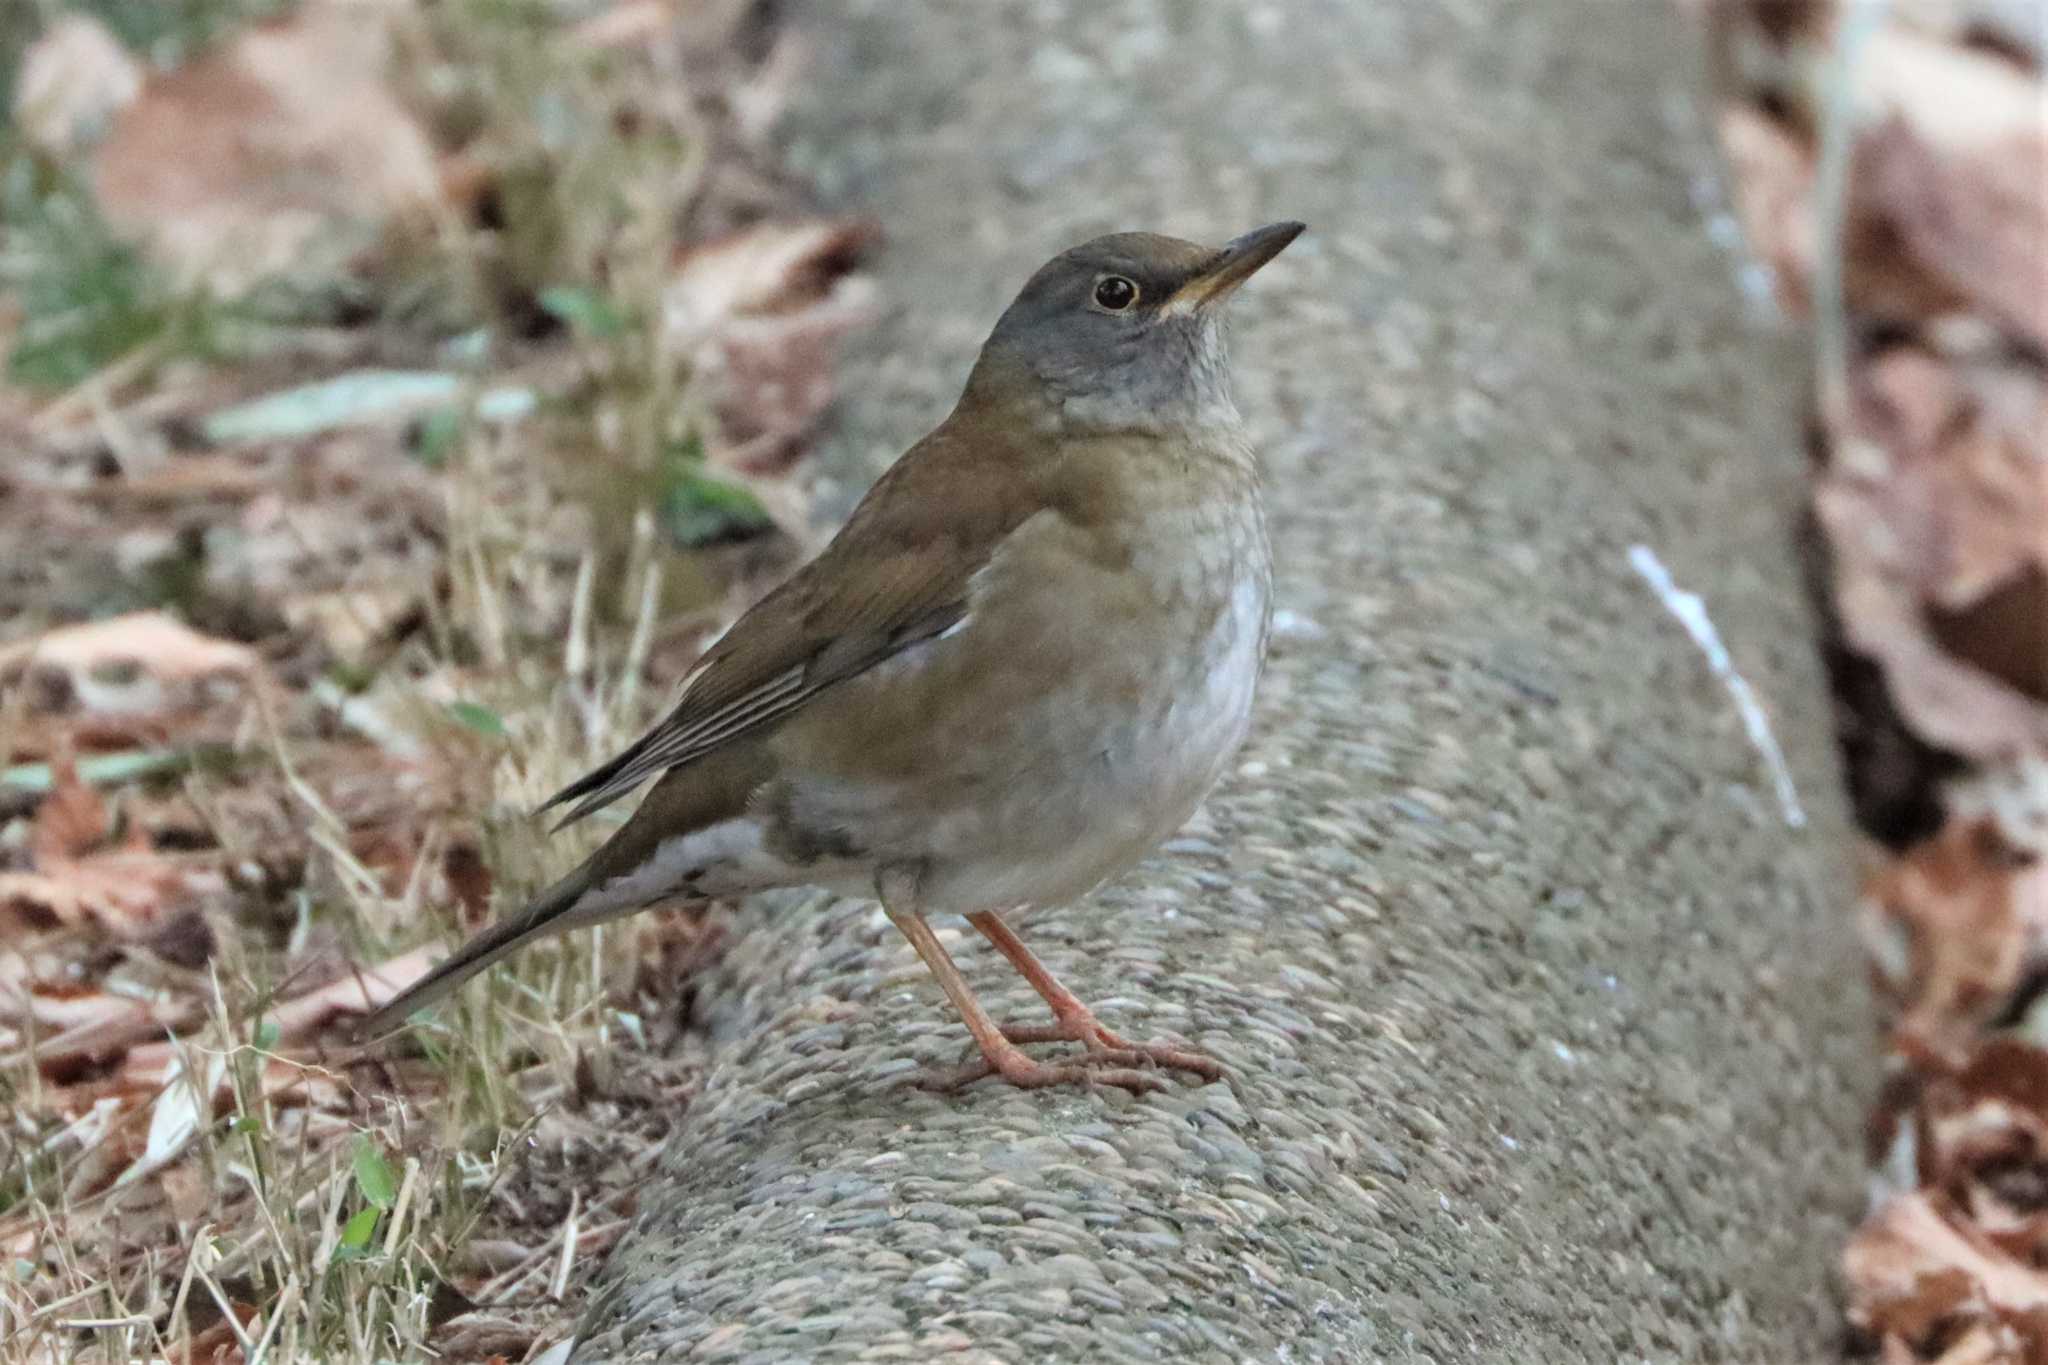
703	799
553	911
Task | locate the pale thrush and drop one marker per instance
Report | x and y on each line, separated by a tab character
1016	670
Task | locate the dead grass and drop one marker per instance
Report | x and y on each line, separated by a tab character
330	1197
449	616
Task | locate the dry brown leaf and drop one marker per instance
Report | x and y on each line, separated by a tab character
1990	1344
1913	1269
354	623
1975	220
144	662
771	378
73	1019
218	1344
1983	1145
71	821
1949	172
357	993
290	1080
761	313
129	892
772	267
1947	207
270	154
130	895
1935	505
1975	915
1959	99
71	1022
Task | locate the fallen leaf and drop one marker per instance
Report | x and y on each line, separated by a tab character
770	267
1912	1269
71	821
1975	916
129	895
144	662
1948	169
72	1023
72	1011
181	1109
357	993
218	1344
1934	501
760	313
358	398
283	1080
129	892
770	377
354	623
278	152
1975	220
469	880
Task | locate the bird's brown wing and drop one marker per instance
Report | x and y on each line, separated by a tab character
897	573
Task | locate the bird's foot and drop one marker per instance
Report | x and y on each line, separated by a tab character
1111	1059
1103	1066
1081	1026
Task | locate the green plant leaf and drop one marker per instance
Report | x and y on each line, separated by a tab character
481	719
356	1234
434	438
101	770
373	1174
266	1034
586	310
345	400
699	510
85	297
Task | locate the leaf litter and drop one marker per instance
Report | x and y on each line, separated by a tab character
1931	503
335	311
352	505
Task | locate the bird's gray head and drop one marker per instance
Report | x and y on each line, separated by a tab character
1123	332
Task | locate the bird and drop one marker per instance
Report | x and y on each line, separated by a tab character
1020	665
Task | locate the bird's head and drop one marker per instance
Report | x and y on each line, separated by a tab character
1123	332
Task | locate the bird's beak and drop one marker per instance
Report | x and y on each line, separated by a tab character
1220	276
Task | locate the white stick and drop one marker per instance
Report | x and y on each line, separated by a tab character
1692	614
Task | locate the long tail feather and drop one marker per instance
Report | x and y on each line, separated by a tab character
713	790
552	912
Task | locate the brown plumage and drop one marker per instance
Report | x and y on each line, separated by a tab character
1015	670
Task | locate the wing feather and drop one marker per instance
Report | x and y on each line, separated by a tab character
897	574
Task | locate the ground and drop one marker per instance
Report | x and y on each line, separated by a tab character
397	397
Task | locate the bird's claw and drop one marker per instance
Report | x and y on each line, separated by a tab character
1101	1041
1106	1066
1110	1059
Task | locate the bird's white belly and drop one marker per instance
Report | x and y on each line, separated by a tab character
1109	784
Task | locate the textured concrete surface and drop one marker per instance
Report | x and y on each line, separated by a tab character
1543	1026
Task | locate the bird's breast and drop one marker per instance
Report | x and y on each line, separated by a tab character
1071	722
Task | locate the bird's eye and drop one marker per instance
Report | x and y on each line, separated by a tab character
1115	293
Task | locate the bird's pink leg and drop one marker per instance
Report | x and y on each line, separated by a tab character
1000	1056
1073	1021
